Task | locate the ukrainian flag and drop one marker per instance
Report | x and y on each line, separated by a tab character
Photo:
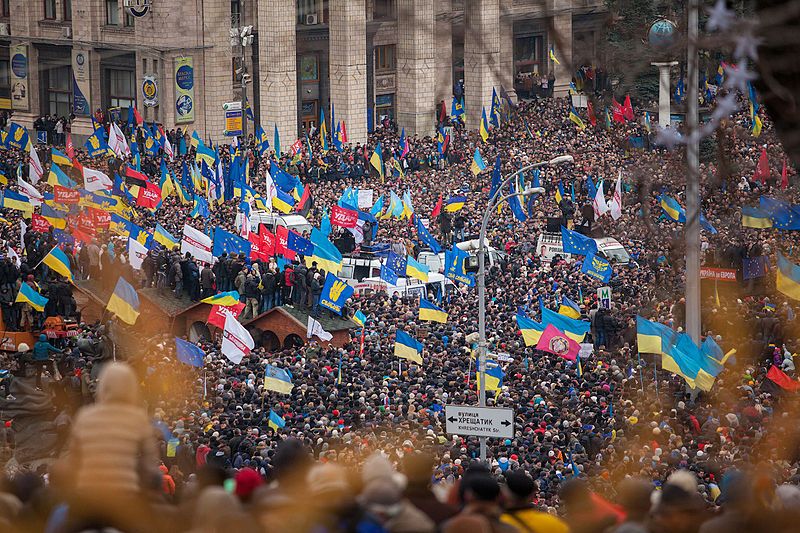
195	141
649	335
282	201
428	311
569	308
327	256
377	159
406	347
788	280
120	225
60	158
559	192
56	176
206	154
53	217
124	302
276	421
278	380
58	262
455	203
494	375
531	330
14	200
484	127
672	208
553	56
416	270
28	294
477	165
573	116
360	319
753	217
757	125
165	238
574	329
225	299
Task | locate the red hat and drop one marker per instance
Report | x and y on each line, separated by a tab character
247	481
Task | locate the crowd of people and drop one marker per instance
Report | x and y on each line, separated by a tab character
618	442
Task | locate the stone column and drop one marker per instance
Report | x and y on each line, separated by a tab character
664	92
416	66
506	78
277	68
213	81
444	54
561	39
348	65
481	56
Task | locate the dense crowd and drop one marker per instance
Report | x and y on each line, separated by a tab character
364	446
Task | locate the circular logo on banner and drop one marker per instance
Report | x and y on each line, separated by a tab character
183	105
184	77
150	91
19	65
80	59
138	8
559	345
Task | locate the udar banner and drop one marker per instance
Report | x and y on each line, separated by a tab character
184	90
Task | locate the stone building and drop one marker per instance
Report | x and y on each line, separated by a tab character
359	59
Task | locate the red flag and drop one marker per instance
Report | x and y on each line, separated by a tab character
628	108
101	219
39	223
137	117
555	342
70	148
784	176
269	238
346	218
260	249
64	195
590	112
149	196
282	242
779	377
344	132
295	147
303	199
437	209
77	166
762	168
443	113
216	317
84	224
618	113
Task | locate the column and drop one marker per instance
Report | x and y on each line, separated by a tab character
664	92
416	66
481	56
348	65
24	23
212	69
506	78
277	69
561	39
444	53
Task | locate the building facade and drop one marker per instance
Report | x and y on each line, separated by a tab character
361	60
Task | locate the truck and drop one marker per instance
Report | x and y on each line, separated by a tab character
437	286
494	257
298	223
548	245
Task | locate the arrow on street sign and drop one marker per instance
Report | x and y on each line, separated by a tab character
479	421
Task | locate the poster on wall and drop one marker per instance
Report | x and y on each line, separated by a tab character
19	77
150	91
184	90
81	95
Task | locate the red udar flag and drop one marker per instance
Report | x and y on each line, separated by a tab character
762	168
101	219
281	244
64	195
590	112
217	316
149	196
618	113
346	218
39	223
259	248
627	109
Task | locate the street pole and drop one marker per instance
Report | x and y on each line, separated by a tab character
693	182
493	201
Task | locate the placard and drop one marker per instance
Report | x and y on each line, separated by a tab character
184	90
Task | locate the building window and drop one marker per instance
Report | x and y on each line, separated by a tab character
4	8
384	10
236	13
5	80
384	106
308	12
528	54
121	88
59	91
128	19
385	57
67	9
50	9
112	12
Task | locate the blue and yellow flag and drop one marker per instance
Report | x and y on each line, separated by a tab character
17	201
360	318
57	260
569	308
60	158
276	421
573	116
165	238
276	141
429	311
326	255
530	329
494	375
483	129
407	347
553	55
376	160
17	137
97	146
124	302
477	165
278	380
753	217
455	203
225	299
335	293
29	295
672	208
416	270
788	278
574	329
56	176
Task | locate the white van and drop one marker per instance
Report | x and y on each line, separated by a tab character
549	245
435	262
298	223
437	284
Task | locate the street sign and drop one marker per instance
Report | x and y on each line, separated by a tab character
604	297
479	421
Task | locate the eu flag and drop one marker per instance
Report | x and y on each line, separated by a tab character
299	244
575	243
427	238
396	262
225	242
388	275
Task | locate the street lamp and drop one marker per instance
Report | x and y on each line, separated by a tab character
493	202
243	37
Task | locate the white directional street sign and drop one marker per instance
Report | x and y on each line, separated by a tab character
479	421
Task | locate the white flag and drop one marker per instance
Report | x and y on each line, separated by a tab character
136	253
13	255
599	202
168	148
271	192
94	180
616	202
35	169
117	142
315	328
30	191
236	341
197	243
23	229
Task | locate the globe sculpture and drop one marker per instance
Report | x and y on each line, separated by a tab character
662	34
